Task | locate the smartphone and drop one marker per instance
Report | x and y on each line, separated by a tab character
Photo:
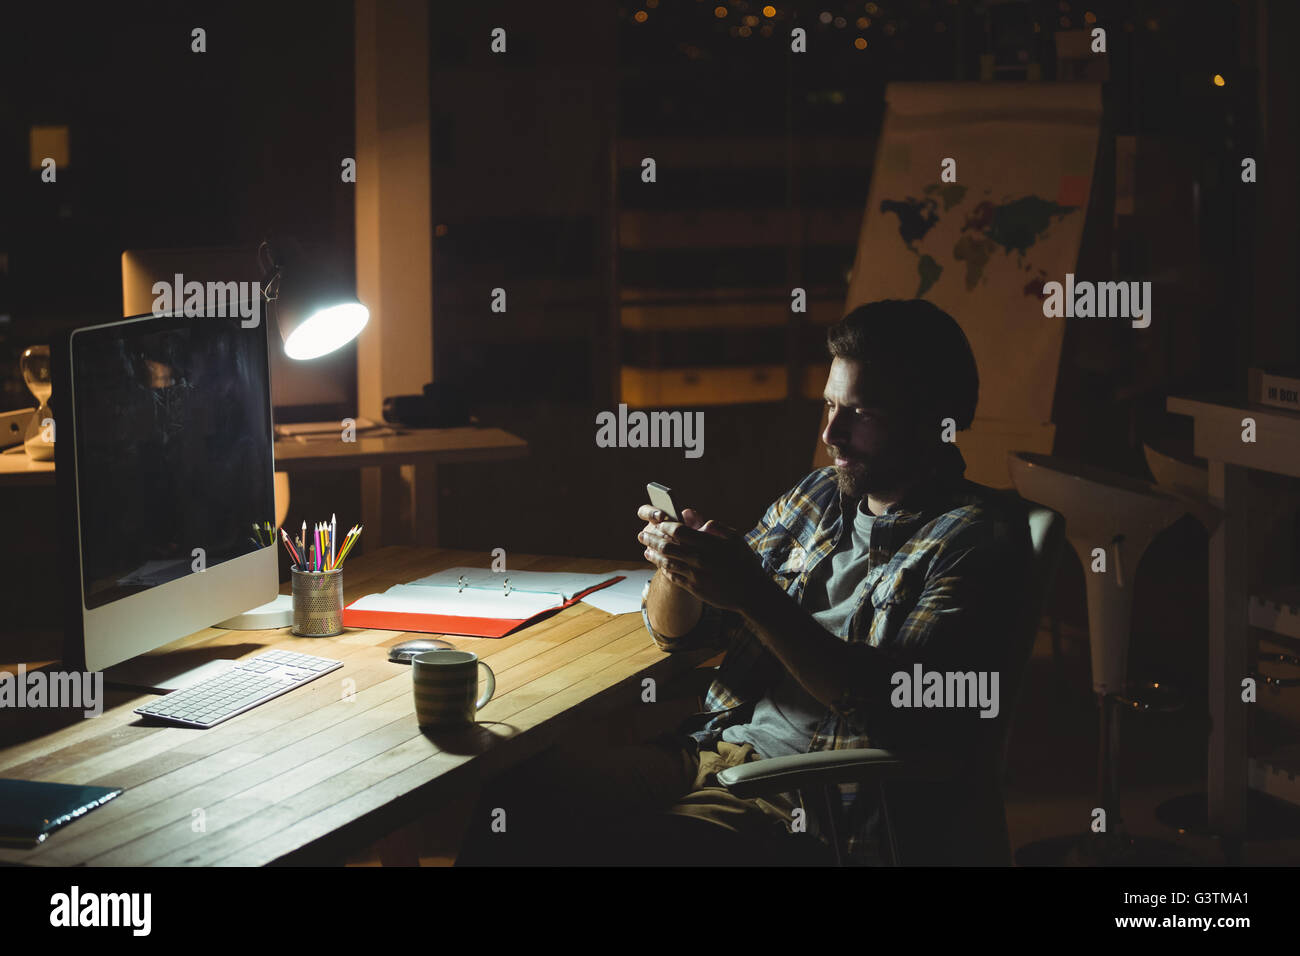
661	496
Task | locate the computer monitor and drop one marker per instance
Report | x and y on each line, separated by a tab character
165	468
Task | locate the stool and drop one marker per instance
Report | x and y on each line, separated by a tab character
1121	516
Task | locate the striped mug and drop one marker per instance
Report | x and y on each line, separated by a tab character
446	684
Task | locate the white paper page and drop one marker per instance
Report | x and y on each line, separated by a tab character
548	582
312	428
623	597
412	599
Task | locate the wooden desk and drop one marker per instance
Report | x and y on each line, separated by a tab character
1217	437
312	775
383	495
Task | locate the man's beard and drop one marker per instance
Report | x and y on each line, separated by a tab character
880	474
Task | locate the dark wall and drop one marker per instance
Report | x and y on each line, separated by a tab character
169	148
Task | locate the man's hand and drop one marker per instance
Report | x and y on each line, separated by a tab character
707	559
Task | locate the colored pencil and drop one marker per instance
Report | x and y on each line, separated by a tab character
347	545
288	546
353	536
322	550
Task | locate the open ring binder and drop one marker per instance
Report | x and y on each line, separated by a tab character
472	601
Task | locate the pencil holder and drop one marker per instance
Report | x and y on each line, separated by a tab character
317	602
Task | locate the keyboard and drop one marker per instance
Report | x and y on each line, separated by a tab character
247	684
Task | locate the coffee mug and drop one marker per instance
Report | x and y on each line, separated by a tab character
446	682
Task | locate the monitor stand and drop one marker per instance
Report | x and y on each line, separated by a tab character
273	614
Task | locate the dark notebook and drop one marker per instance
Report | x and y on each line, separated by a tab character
31	810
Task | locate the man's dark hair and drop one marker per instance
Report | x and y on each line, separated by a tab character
915	359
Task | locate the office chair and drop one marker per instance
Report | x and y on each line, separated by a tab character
819	774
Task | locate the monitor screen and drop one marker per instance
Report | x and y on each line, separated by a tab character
174	450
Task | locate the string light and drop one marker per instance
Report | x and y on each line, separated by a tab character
1219	80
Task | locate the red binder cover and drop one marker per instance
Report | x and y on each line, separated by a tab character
453	624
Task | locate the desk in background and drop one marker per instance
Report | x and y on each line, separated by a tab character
384	496
311	776
17	469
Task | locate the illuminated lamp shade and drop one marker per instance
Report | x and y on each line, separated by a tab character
322	329
314	303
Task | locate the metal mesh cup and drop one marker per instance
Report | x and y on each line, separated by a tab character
317	602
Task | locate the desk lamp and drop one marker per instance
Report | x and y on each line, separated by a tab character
317	311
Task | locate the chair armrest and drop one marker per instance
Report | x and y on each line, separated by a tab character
825	767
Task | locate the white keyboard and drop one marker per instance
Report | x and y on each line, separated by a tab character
244	686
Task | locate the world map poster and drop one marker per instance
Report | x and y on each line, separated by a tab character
981	241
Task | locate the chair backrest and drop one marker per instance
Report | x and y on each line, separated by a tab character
912	827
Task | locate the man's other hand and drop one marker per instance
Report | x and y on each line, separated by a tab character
706	558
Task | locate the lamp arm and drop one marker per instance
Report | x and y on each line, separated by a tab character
271	290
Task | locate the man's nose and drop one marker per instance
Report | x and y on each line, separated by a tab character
833	429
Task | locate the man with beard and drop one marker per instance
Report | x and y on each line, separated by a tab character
885	561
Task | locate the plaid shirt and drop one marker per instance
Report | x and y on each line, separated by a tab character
944	570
